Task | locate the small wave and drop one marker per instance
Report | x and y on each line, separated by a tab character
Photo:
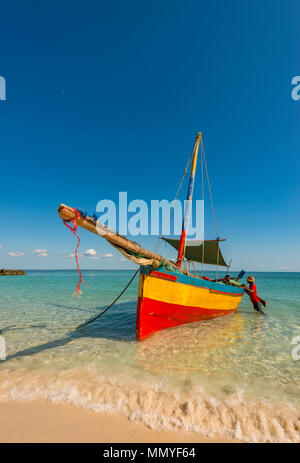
157	405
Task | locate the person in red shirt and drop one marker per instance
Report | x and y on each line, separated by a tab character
252	293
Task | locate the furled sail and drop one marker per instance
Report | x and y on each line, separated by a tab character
210	254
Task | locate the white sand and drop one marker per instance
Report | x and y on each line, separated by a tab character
41	421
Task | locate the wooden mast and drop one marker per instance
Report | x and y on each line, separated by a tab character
185	221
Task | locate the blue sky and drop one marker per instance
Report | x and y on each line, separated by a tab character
105	97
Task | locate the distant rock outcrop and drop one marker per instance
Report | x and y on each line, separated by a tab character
4	271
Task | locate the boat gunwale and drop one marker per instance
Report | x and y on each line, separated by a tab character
194	281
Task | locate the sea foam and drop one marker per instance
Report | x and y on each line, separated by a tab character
158	405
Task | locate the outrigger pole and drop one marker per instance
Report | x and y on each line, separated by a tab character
185	222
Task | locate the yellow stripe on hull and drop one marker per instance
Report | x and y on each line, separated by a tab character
186	295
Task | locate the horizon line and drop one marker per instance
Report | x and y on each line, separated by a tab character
125	269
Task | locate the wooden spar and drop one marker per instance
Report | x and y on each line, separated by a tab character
88	223
185	221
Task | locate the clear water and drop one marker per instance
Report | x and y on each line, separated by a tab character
233	376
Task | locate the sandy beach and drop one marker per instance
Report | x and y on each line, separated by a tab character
42	422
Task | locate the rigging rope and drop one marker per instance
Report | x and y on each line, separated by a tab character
173	203
74	230
202	177
105	310
212	205
77	289
208	183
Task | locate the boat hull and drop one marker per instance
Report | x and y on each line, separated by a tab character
167	299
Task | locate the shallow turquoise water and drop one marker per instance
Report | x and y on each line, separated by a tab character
234	375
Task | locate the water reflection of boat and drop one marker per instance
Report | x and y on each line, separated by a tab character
190	348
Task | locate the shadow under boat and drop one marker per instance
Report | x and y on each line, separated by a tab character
118	325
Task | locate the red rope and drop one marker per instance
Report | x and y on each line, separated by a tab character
74	230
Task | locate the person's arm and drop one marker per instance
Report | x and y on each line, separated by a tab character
235	283
248	290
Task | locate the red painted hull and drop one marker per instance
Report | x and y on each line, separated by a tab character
168	299
153	316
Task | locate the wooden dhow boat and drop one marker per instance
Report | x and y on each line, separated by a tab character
169	294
